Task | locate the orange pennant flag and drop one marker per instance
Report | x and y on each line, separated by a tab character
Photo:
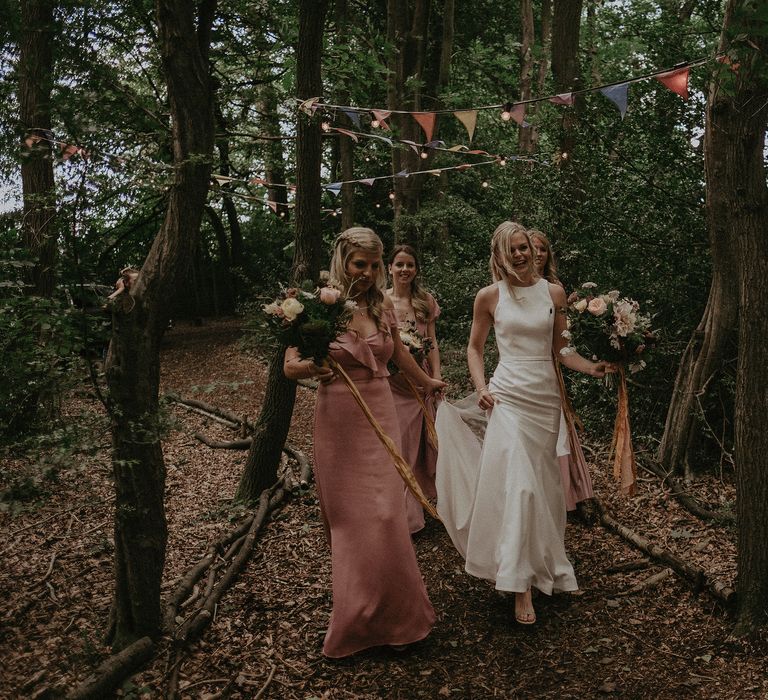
676	80
426	121
469	119
380	115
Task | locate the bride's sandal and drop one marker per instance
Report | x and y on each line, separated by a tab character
523	616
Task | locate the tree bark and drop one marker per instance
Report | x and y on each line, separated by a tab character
35	86
346	145
139	319
543	65
566	25
279	395
525	136
274	159
737	118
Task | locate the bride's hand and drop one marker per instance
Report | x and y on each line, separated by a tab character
486	400
600	369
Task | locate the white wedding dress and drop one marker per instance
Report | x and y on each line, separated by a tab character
501	497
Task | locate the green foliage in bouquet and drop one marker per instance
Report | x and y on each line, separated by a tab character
309	319
608	327
418	345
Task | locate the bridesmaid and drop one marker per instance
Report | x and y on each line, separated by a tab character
577	483
379	596
413	304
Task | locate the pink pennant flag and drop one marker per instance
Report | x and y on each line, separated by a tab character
426	121
272	206
463	166
309	106
381	116
564	98
469	119
484	153
368	181
257	181
518	114
676	80
32	139
67	151
346	132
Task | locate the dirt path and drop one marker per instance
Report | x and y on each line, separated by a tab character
660	643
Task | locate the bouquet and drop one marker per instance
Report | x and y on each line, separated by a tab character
612	328
309	319
419	346
415	343
608	326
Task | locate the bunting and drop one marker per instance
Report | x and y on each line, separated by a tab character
426	120
469	119
618	95
676	81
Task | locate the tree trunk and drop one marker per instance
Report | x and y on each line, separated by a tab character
737	117
274	159
35	85
525	136
140	317
280	393
346	145
543	65
566	26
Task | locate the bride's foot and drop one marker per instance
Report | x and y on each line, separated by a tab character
524	612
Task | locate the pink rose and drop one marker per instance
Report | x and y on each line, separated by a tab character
573	297
329	295
597	306
291	293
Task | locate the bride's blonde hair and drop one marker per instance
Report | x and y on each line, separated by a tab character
348	242
501	251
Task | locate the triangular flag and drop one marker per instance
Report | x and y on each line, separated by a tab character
412	144
469	119
564	98
459	147
272	206
32	139
381	138
381	115
222	179
676	80
402	173
435	144
354	117
426	121
618	95
67	151
518	114
346	132
257	181
435	172
368	181
334	188
476	153
309	106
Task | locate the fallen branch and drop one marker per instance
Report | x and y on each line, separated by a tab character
649	582
113	672
244	444
686	500
633	565
263	689
688	571
211	409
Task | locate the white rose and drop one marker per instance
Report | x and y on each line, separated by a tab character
566	334
613	295
588	285
580	305
271	309
292	307
567	350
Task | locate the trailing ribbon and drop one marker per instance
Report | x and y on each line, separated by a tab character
577	463
624	466
429	422
400	464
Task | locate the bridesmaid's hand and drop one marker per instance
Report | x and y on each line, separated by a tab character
323	374
435	386
486	399
600	369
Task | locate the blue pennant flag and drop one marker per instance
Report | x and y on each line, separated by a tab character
402	173
618	95
334	188
354	117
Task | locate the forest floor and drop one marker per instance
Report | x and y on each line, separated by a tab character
56	550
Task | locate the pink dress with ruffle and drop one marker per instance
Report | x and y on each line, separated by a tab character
379	596
413	430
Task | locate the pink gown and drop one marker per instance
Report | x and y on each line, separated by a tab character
379	596
413	431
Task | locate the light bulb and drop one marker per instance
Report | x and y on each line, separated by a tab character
424	155
502	162
485	183
392	195
506	116
325	126
375	123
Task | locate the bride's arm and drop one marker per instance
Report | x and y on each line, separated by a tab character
482	320
572	360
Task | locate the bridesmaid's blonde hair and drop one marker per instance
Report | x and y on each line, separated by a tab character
549	272
347	243
501	251
419	296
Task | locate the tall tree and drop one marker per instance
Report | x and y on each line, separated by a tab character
279	395
566	25
737	118
35	86
142	315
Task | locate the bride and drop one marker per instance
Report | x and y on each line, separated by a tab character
501	498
